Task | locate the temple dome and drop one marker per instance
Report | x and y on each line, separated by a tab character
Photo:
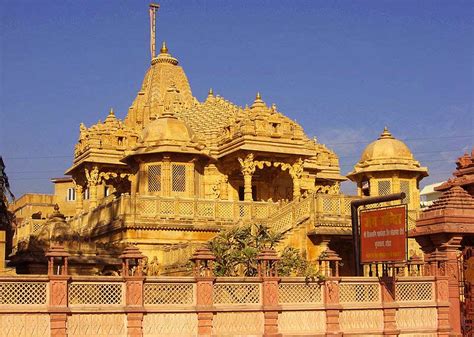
166	128
387	154
386	146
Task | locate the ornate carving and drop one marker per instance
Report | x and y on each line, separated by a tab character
58	293
248	165
134	293
92	176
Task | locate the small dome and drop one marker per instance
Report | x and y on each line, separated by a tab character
386	154
386	147
167	128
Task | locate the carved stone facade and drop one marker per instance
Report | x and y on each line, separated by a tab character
176	171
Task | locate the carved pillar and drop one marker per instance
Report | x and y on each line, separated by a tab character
93	180
442	302
333	307
79	199
247	187
58	280
204	276
267	260
166	180
132	273
248	166
389	307
451	247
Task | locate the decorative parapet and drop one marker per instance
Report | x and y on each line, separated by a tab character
344	305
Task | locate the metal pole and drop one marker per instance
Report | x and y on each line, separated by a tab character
355	220
153	9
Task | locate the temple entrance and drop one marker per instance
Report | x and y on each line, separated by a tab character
466	267
272	183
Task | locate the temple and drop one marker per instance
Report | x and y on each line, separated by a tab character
177	171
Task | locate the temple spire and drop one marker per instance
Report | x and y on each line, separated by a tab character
153	10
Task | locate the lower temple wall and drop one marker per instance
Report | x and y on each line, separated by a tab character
159	307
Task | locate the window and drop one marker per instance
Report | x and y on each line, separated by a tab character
154	178
405	187
106	191
178	183
385	187
71	194
86	194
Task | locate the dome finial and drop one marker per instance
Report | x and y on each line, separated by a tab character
385	134
258	95
211	92
111	112
164	49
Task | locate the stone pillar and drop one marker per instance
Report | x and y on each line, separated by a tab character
134	305
270	306
93	179
247	187
451	247
267	260
166	179
58	282
248	166
132	273
442	301
204	276
389	307
331	297
204	304
296	172
79	199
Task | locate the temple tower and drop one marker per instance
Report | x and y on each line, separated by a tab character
388	166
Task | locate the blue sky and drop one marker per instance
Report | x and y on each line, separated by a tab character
342	69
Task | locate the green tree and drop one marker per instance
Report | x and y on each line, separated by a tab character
236	252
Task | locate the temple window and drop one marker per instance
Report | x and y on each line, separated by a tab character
405	187
71	194
384	187
120	141
86	194
178	183
154	178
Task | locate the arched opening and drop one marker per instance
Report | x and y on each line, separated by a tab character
272	183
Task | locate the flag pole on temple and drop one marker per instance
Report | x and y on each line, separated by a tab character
153	10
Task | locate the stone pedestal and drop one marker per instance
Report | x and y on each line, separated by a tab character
331	296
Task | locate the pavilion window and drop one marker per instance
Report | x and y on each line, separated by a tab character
154	178
385	187
178	183
405	187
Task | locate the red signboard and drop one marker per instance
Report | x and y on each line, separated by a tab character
383	234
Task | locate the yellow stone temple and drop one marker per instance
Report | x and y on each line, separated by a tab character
177	171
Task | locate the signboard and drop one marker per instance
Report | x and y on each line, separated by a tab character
383	234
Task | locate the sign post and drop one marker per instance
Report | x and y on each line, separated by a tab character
383	234
355	221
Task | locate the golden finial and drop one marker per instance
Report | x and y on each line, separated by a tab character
211	93
164	49
111	111
258	96
385	134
